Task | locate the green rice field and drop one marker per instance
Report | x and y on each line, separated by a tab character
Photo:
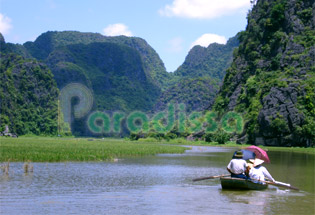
45	149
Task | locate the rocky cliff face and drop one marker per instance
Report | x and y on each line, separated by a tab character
271	80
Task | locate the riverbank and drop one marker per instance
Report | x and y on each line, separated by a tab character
291	149
182	141
49	149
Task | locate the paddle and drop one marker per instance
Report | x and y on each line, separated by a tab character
279	184
210	177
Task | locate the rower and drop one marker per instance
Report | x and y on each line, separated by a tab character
237	166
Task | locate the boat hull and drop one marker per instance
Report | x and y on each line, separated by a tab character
241	184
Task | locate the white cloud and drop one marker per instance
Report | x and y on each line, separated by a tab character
5	24
175	45
117	30
203	9
206	39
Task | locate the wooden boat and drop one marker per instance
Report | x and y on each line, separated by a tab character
241	184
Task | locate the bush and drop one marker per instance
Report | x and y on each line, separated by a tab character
136	136
279	126
219	136
208	137
156	135
170	135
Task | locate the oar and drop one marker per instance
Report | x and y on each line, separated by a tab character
281	184
278	184
210	177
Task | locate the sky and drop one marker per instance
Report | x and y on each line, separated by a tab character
171	27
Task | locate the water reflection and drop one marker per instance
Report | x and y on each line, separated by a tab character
154	185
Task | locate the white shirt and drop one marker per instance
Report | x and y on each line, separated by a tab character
237	166
256	174
265	173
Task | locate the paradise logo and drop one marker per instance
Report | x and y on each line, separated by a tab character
100	122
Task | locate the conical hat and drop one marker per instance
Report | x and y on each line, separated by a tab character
256	161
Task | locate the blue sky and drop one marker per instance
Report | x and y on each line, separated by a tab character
171	27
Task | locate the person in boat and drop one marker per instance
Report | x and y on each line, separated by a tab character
254	174
258	172
237	166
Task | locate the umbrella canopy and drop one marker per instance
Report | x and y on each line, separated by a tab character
260	153
247	154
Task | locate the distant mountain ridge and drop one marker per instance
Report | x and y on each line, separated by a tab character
49	41
211	61
196	82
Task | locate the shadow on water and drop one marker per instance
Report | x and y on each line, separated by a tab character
155	185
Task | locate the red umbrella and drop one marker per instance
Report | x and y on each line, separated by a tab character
260	153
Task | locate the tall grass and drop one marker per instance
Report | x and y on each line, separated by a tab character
45	149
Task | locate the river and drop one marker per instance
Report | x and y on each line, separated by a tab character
159	184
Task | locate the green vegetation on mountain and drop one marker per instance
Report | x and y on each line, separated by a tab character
196	93
28	95
272	78
114	72
13	48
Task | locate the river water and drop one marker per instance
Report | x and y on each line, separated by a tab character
159	184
